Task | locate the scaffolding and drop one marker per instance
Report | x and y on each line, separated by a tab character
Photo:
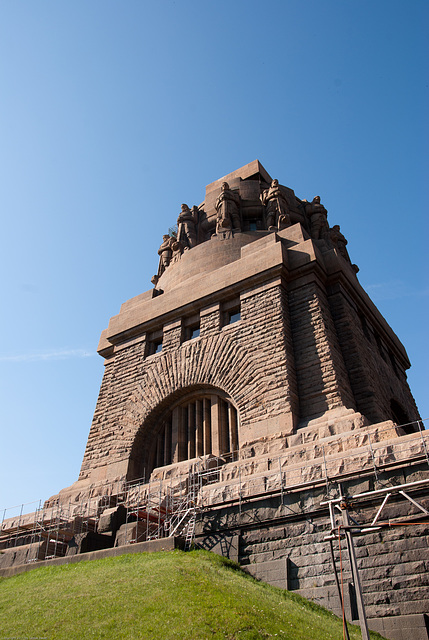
170	507
343	526
46	533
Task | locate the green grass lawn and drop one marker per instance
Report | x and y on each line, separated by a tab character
157	596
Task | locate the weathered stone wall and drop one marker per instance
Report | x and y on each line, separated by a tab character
280	540
323	382
376	370
265	315
25	553
241	359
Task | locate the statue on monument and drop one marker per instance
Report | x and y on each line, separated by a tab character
276	207
165	253
186	226
318	217
173	245
339	242
228	210
177	249
196	214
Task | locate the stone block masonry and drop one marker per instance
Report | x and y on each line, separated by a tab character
235	358
281	540
322	376
376	370
295	356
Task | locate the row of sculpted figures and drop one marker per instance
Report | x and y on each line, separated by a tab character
275	214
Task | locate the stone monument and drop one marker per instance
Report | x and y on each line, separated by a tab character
258	364
310	349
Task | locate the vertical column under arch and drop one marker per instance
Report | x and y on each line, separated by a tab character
200	426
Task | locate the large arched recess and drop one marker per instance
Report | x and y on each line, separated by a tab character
192	422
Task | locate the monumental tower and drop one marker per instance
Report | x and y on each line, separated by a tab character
256	331
247	395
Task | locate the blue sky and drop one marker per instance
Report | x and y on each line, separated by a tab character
114	113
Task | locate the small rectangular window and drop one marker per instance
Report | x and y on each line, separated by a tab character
393	363
364	325
191	328
234	316
194	332
231	312
380	346
154	343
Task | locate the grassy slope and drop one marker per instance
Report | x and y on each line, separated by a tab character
157	596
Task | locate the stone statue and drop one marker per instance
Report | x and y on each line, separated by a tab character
177	249
318	217
186	223
276	206
165	253
228	210
339	241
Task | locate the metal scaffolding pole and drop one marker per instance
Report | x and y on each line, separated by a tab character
355	571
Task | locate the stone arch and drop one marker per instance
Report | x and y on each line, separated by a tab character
401	417
217	362
194	421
